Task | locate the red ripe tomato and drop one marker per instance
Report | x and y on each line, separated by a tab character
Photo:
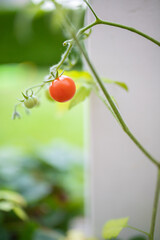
62	89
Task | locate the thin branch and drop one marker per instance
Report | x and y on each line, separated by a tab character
99	21
137	229
91	9
155	206
131	30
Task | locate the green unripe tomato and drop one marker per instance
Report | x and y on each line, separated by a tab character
31	102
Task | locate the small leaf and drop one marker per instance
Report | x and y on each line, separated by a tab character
113	228
120	84
20	213
12	197
77	75
82	93
6	206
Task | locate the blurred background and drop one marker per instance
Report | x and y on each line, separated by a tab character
42	154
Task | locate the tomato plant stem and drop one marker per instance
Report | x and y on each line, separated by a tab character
129	29
113	106
137	229
98	22
91	9
155	207
65	55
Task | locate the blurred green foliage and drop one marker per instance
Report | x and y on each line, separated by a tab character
32	35
49	178
51	181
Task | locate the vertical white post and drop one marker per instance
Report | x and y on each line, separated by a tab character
122	179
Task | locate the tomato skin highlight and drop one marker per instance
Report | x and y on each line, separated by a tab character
62	89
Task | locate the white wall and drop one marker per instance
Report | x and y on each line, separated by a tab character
122	180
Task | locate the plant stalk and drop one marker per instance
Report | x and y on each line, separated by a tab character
129	29
99	21
138	230
113	106
155	207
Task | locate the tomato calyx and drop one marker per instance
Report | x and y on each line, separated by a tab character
56	75
29	101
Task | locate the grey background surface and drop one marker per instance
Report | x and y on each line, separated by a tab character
122	179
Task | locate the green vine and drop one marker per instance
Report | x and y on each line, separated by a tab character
155	207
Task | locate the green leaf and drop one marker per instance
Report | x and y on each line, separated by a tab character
12	197
6	206
79	75
120	84
113	227
20	213
82	93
